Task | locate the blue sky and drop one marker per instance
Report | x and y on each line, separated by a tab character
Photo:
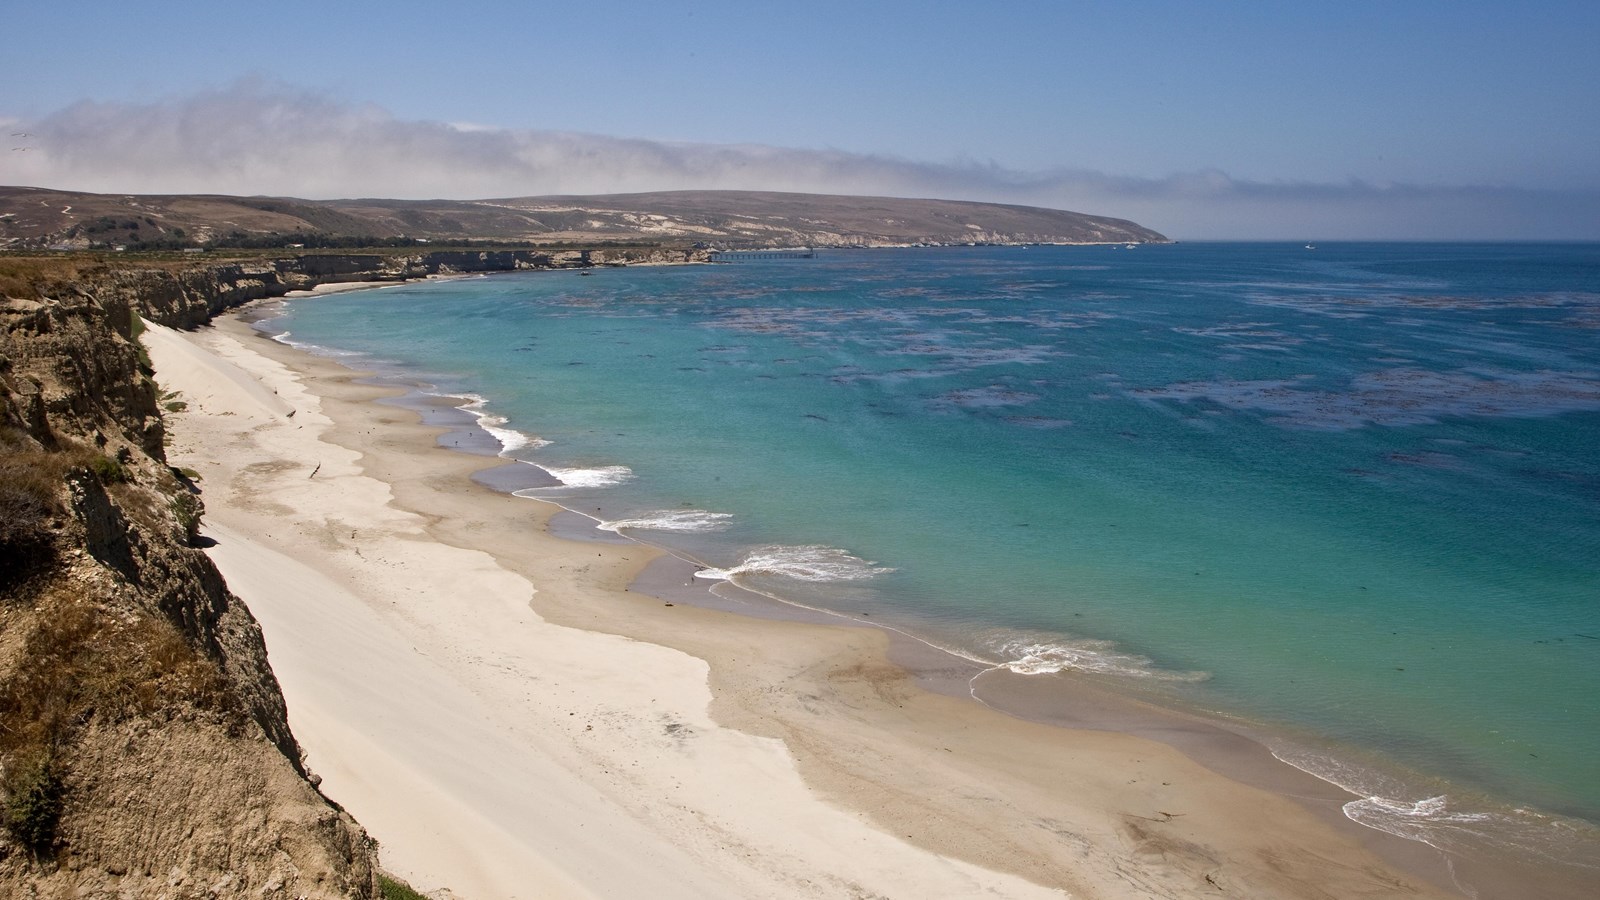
1201	119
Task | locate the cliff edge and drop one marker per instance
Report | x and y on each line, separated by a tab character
144	745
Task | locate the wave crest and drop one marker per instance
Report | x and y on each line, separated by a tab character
600	476
510	439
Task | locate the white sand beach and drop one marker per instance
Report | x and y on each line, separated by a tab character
508	720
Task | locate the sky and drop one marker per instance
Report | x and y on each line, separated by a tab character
1225	119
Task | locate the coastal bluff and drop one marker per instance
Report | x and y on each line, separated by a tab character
186	294
145	748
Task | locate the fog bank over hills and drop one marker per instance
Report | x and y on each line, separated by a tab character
255	137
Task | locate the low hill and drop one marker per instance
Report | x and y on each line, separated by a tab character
38	218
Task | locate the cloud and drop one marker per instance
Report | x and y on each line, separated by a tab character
261	138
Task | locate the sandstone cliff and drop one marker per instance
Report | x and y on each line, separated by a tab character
144	744
185	293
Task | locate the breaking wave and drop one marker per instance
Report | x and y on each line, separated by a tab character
803	563
285	338
1026	656
679	520
511	440
1440	822
600	476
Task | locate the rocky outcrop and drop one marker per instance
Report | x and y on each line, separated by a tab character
145	748
69	380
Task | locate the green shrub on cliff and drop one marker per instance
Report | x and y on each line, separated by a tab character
25	541
109	470
187	510
31	798
135	325
394	889
30	484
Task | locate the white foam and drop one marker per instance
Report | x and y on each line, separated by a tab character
1027	657
803	563
1436	821
282	337
1359	780
679	520
1411	819
1521	833
600	476
511	440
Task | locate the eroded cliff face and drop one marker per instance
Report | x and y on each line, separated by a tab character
144	744
191	296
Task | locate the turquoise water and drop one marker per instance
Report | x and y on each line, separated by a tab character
1351	492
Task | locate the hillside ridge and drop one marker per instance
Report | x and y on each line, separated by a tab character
38	218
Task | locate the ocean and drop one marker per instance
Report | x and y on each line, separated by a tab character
1348	496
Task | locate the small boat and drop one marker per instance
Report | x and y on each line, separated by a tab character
1311	246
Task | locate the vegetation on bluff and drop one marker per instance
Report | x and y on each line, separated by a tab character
144	744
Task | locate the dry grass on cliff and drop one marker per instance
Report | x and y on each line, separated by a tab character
31	483
66	657
82	660
79	663
37	275
27	277
32	487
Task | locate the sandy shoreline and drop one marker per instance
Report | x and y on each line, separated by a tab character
511	716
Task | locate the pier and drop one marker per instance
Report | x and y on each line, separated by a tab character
729	256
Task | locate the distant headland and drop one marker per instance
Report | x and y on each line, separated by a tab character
43	219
